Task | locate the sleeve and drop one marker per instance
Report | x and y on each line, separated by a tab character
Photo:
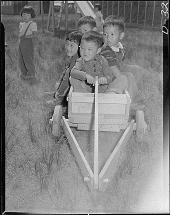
124	53
108	74
64	83
20	26
33	26
62	75
76	71
109	55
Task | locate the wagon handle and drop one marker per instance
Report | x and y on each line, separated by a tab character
96	177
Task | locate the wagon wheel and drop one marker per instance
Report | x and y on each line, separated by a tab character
141	125
56	120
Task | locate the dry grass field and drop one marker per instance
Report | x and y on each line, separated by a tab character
41	172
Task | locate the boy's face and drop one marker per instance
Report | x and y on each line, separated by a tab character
26	17
112	35
71	48
88	50
85	28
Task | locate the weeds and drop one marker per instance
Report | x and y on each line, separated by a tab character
31	133
30	147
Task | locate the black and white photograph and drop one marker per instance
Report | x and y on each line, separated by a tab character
85	107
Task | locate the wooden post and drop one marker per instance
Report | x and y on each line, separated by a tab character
42	16
60	15
49	15
111	164
81	160
53	23
76	14
96	175
66	16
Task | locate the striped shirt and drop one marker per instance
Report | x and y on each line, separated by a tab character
113	55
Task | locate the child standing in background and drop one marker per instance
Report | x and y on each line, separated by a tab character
99	18
27	31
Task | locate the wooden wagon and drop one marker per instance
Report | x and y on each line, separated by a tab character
98	112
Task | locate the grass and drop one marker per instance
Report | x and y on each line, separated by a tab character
41	168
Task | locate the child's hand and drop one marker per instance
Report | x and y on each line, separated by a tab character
102	80
90	79
20	25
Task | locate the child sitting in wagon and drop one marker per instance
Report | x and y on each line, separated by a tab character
72	50
114	52
86	24
91	64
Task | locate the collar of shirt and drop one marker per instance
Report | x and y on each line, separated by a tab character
26	23
116	49
95	59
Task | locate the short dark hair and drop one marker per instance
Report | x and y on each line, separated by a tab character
93	36
74	36
86	20
28	9
98	6
115	22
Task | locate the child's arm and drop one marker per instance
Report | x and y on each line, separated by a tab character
110	56
58	83
64	84
68	66
76	71
108	74
20	26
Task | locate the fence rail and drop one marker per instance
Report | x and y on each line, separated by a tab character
135	13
